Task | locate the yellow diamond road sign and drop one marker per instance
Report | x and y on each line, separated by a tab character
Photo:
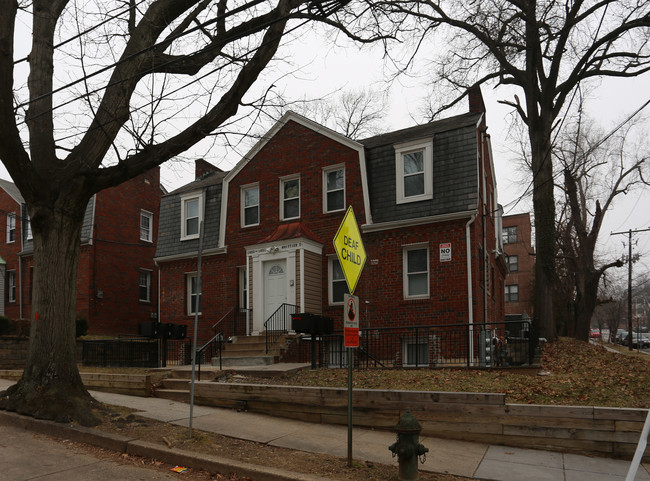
349	249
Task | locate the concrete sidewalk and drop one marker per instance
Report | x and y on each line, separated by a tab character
476	460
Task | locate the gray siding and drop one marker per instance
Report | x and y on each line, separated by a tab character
454	173
169	227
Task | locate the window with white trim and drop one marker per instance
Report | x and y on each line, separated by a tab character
192	215
146	226
333	189
243	288
28	227
512	293
193	295
11	228
338	286
416	271
145	285
413	171
250	205
11	286
290	198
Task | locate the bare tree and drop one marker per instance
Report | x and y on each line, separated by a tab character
546	49
214	48
597	170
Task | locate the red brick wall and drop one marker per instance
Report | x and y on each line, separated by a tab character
9	251
525	274
110	268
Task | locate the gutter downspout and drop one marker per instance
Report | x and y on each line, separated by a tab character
470	311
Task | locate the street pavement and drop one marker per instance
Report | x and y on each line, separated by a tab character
28	456
478	460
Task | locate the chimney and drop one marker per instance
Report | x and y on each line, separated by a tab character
202	167
476	104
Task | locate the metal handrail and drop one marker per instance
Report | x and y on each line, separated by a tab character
211	343
276	324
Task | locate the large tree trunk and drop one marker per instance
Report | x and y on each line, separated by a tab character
51	387
544	208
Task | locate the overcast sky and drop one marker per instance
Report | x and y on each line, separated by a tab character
326	68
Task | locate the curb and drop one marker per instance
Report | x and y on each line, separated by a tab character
123	444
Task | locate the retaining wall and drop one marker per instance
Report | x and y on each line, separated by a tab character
474	417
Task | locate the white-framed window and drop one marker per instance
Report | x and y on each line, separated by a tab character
146	226
28	228
250	205
145	285
416	352
414	171
513	263
333	189
193	294
338	286
11	286
11	228
290	198
192	215
243	287
509	234
416	271
512	293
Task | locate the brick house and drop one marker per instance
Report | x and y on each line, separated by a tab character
520	259
424	199
116	278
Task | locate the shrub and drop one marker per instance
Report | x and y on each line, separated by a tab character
81	326
5	327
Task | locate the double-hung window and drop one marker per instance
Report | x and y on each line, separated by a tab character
338	286
333	189
416	271
28	228
509	234
11	286
192	215
145	285
193	294
414	171
146	226
512	293
11	227
290	198
250	205
513	263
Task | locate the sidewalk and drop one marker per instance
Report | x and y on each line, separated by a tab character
476	460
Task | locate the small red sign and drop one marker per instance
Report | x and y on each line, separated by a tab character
351	337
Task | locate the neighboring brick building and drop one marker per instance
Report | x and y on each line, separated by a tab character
269	225
520	258
117	279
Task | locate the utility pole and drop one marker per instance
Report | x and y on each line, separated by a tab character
629	282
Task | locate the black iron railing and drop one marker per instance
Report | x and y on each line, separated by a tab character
278	323
479	345
233	323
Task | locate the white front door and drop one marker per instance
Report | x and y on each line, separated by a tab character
275	287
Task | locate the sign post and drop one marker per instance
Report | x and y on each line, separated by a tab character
352	257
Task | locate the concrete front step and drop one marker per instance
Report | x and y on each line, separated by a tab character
252	360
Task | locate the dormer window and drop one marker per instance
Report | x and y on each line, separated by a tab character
250	205
192	215
413	171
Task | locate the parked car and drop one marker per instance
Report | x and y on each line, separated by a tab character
639	341
594	333
621	334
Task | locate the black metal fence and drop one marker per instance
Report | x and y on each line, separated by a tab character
479	345
510	343
278	324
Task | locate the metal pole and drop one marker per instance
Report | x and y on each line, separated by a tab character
199	290
629	292
350	362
